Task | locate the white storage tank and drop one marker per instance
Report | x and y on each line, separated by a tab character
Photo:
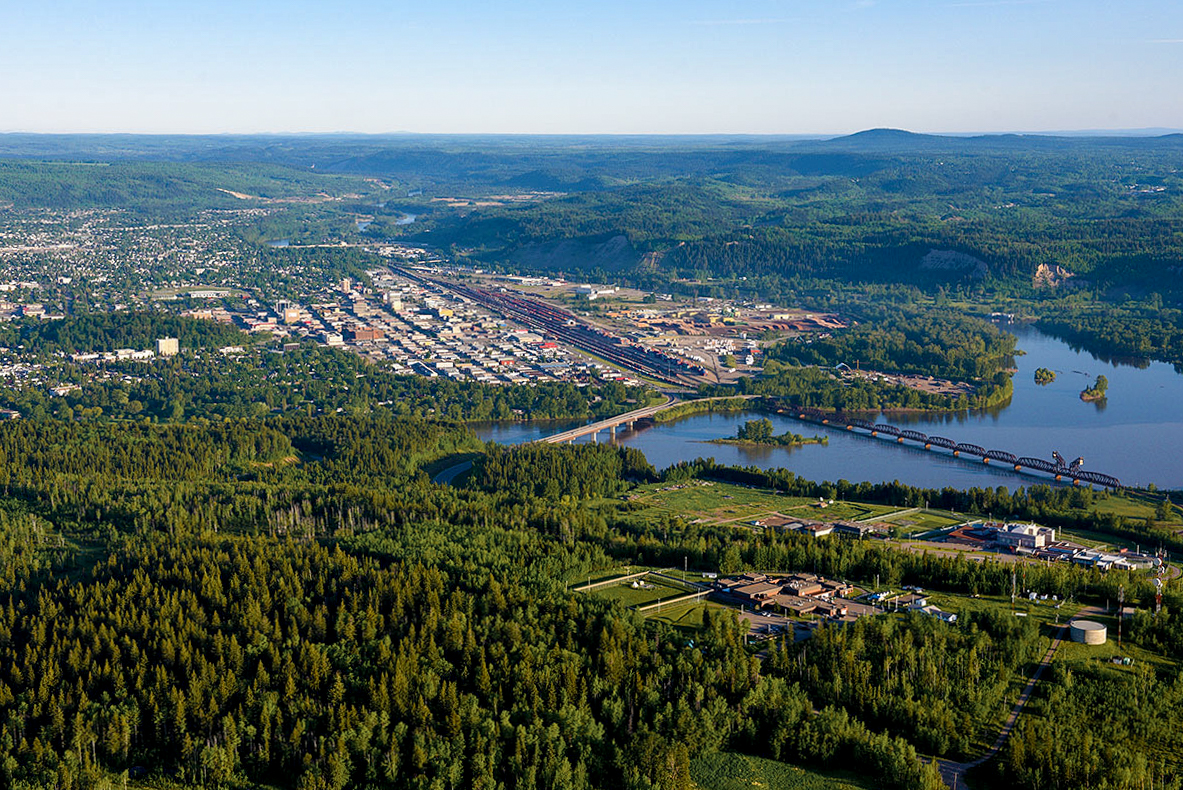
1090	632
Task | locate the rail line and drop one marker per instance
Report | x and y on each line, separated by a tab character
1020	464
570	329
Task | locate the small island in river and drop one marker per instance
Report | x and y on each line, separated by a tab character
759	432
1097	391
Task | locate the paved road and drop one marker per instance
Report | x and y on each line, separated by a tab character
619	419
954	773
451	473
637	414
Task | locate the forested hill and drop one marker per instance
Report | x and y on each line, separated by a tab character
865	207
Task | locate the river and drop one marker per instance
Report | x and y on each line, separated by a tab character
1136	435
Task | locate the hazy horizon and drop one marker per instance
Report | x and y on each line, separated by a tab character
1113	132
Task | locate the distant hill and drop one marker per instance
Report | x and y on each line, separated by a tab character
902	141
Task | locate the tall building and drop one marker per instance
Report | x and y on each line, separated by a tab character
167	347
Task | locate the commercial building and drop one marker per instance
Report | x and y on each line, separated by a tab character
799	593
364	333
590	292
168	347
1026	536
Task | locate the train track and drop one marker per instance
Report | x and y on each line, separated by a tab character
569	329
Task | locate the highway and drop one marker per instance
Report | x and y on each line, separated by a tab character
611	422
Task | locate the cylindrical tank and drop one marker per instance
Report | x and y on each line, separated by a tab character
1090	632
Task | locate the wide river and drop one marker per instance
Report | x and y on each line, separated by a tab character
1136	435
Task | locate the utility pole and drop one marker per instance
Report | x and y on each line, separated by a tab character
1120	612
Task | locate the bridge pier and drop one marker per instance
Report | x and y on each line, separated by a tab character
595	437
612	433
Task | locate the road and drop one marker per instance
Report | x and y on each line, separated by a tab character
953	773
620	419
446	476
451	473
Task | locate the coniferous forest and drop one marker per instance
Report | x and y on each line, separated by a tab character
293	603
233	567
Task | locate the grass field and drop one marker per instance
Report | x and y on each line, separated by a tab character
731	771
724	502
1075	654
923	521
1131	504
626	594
1044	612
684	616
578	579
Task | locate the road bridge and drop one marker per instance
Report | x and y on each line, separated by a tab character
627	419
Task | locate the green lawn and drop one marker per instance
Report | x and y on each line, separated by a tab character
578	579
731	771
724	502
923	521
1075	654
684	616
625	593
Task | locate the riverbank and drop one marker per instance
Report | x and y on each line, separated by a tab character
725	405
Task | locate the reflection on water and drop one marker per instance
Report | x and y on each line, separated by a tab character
1135	434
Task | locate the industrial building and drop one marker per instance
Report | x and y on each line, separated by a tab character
1088	632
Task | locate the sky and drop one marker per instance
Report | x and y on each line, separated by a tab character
599	66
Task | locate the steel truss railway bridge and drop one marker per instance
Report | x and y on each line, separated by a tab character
1019	464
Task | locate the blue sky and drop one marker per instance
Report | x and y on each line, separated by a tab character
645	66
